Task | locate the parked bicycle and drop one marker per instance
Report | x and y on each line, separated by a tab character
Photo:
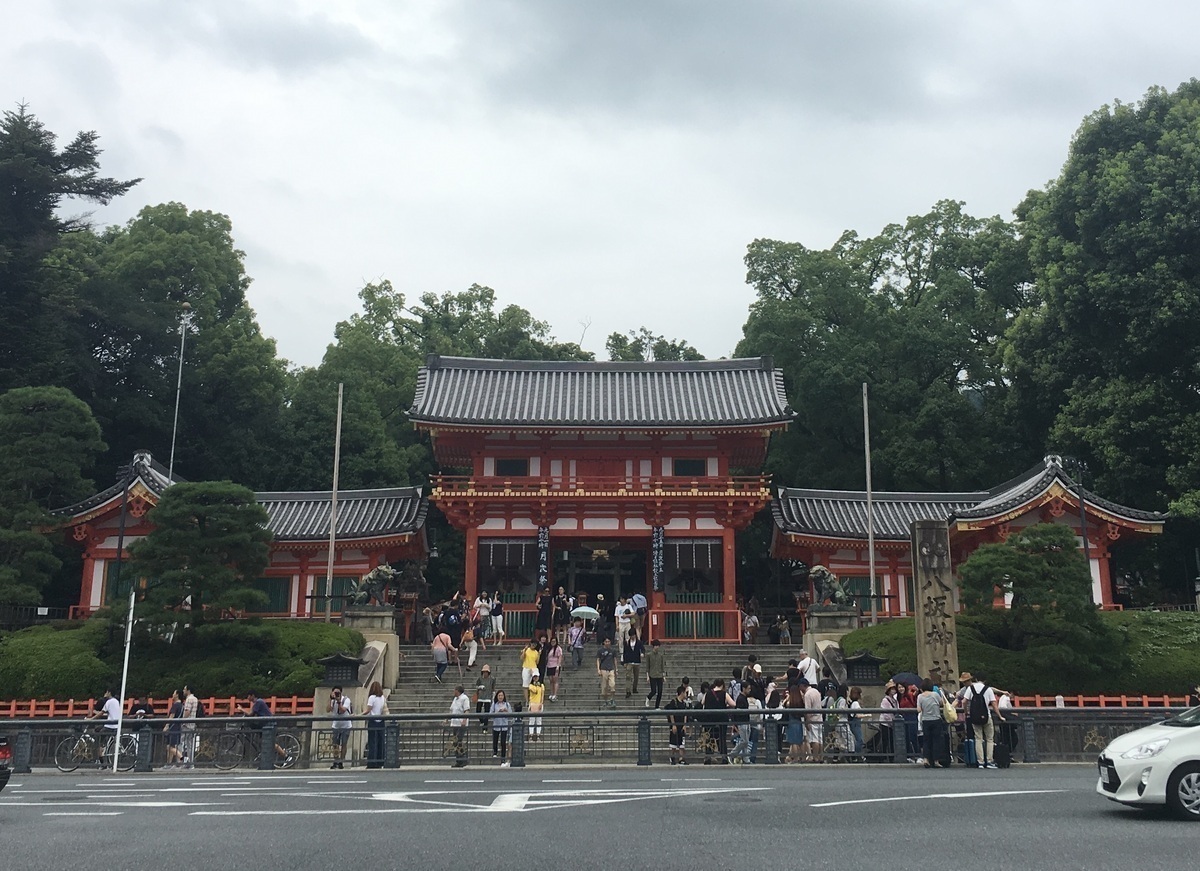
90	748
237	747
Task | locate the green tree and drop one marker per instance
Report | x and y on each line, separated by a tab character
233	383
36	177
47	437
1107	363
209	542
915	312
1051	614
642	345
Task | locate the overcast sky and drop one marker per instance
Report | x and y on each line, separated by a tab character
602	164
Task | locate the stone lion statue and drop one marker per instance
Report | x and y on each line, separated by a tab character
829	587
370	587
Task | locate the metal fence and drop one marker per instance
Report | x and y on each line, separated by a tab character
557	737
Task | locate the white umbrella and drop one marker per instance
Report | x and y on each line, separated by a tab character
586	613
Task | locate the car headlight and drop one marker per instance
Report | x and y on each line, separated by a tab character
1147	750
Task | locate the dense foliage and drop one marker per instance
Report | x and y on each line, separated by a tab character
81	660
1150	653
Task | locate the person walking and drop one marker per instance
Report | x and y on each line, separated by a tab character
340	707
483	616
501	712
374	709
677	721
173	731
623	614
576	638
812	726
562	615
640	608
441	647
606	670
554	659
497	618
631	659
716	700
856	730
471	644
189	744
796	736
655	661
460	706
809	670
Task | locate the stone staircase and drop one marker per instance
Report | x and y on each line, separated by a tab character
579	689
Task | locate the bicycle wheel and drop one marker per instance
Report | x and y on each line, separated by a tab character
289	744
229	751
70	752
128	754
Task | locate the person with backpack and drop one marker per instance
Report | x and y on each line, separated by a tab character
188	744
982	707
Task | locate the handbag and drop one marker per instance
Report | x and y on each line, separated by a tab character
949	712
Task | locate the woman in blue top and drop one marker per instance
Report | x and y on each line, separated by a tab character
500	724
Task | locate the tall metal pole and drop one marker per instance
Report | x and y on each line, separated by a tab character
870	511
1087	551
128	473
184	323
337	462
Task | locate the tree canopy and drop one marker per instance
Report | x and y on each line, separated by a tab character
209	542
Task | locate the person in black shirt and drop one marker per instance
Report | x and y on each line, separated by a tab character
677	719
716	699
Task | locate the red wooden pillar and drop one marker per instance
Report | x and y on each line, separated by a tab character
1106	591
729	583
471	566
85	583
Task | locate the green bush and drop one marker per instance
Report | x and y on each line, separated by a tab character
219	659
1130	653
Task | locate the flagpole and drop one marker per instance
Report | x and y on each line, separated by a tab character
870	510
333	507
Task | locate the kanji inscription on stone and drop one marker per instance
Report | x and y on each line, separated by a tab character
934	586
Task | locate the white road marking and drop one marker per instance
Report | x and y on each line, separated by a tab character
598	780
83	813
454	781
113	803
937	795
323	782
437	801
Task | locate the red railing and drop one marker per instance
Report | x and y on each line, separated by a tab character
748	485
1077	701
224	706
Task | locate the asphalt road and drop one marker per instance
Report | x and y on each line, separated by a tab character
483	817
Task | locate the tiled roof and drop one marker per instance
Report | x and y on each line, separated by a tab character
302	516
144	468
293	515
712	393
1037	481
843	513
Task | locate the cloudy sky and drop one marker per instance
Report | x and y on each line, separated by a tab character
603	164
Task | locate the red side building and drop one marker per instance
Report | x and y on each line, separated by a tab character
604	478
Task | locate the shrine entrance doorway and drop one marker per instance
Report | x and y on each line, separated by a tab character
611	568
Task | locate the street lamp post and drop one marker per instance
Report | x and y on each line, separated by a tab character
185	324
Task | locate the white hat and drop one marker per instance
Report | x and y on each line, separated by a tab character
535	673
757	668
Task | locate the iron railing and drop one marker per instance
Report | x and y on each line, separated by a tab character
606	737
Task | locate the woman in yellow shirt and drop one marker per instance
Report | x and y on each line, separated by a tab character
537	694
529	665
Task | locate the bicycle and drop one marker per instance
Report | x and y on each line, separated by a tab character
232	747
87	748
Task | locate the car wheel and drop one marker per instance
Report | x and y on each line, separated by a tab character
1183	792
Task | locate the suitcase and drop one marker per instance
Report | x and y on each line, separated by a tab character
1003	756
968	748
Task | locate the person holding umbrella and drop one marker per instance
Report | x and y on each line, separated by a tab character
576	637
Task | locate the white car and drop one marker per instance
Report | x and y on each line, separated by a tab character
1157	765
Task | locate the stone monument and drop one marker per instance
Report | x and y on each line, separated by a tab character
832	613
934	586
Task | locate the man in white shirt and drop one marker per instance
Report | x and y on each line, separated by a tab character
809	670
624	617
110	709
458	725
981	719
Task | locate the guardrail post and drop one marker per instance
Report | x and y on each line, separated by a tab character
899	741
23	752
267	754
1029	739
771	742
518	743
643	739
391	745
145	747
